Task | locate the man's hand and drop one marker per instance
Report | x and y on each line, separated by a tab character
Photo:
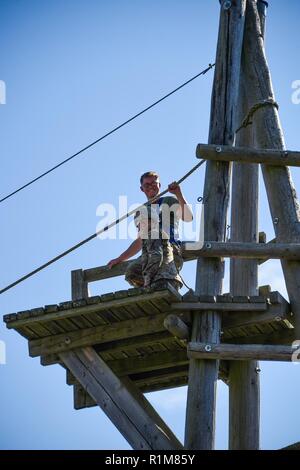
174	188
113	262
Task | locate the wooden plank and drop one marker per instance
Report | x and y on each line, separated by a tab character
104	272
246	250
273	314
285	337
121	401
241	352
218	249
243	378
221	307
134	342
94	308
200	415
96	335
151	362
226	153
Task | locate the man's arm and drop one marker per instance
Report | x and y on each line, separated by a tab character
185	212
132	250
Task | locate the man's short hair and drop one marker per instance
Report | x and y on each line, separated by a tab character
147	174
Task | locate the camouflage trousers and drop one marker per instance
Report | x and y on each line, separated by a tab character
160	261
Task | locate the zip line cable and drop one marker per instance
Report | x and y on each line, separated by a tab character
86	240
210	66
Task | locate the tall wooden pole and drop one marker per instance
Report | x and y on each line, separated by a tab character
203	374
268	133
244	389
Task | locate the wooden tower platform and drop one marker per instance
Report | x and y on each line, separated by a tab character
117	346
142	334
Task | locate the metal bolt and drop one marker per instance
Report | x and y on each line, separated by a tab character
227	5
286	153
200	199
67	340
207	348
257	370
218	149
278	318
276	220
208	245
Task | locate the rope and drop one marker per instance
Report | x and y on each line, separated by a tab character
210	66
86	240
261	104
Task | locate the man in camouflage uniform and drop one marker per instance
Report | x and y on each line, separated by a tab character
161	259
157	260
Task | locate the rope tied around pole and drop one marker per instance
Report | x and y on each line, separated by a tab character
261	104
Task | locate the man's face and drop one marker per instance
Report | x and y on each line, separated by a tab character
150	186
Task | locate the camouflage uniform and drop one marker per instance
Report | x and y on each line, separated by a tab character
161	259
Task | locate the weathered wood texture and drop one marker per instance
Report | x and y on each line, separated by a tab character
210	249
241	352
242	154
244	396
79	285
135	418
177	327
201	400
246	249
281	193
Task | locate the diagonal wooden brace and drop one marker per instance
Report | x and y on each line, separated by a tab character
122	402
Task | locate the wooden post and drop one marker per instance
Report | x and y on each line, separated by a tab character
262	7
201	399
244	406
281	193
79	286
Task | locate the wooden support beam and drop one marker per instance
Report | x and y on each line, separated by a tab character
201	400
246	250
119	345
151	362
241	352
122	402
177	327
104	272
155	363
237	314
280	189
96	335
243	377
221	306
285	337
79	286
210	249
226	153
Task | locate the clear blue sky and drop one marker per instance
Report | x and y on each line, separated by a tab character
73	70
